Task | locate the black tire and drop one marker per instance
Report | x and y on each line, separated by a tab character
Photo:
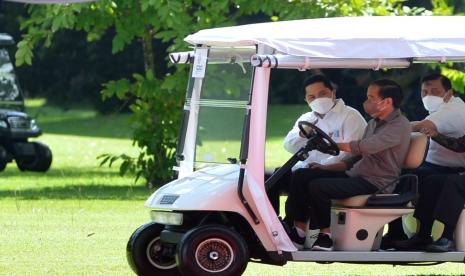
40	162
212	250
145	253
3	158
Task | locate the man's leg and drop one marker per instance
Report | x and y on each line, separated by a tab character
449	206
438	196
274	192
395	231
297	200
431	188
321	191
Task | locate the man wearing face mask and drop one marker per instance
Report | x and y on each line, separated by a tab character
446	116
375	165
340	122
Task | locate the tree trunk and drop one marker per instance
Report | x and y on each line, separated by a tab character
147	47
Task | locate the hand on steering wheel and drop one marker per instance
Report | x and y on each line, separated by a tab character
323	142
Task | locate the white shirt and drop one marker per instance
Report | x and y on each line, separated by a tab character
342	123
449	120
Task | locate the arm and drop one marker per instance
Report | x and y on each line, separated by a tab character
335	167
294	141
419	125
454	144
385	138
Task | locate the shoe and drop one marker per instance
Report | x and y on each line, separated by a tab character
413	244
441	245
323	243
388	241
297	240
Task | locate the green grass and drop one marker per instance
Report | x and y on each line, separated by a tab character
76	218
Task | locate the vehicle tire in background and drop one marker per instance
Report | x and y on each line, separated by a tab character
40	162
212	250
3	158
147	255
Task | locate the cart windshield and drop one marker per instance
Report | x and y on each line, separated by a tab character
222	106
9	91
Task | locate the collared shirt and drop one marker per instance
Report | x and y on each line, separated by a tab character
449	120
383	149
342	123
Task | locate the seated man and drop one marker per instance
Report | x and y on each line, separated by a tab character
376	165
446	115
342	123
442	199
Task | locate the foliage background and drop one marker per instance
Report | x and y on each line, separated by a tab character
118	50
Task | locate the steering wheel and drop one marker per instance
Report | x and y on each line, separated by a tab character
323	142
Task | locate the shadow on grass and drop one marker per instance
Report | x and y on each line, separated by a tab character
80	192
66	172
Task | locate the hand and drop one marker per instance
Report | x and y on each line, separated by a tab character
429	132
448	96
308	129
344	147
315	165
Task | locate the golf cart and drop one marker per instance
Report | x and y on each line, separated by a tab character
216	217
16	127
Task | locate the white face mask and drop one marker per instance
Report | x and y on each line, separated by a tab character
432	103
322	105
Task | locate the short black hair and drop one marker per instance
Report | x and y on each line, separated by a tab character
390	89
445	81
318	78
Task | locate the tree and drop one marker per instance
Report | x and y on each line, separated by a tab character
156	98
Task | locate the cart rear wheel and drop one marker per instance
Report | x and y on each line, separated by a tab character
147	255
212	250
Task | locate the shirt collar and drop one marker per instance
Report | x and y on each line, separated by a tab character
339	106
394	114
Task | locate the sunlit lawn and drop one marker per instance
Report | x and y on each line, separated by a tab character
76	218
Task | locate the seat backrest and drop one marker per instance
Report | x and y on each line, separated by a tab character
417	150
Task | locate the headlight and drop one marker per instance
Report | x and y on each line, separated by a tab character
169	218
3	124
33	124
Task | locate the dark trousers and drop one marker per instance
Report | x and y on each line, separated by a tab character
278	188
311	192
442	198
426	169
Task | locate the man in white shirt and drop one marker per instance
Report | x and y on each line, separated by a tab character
446	116
342	123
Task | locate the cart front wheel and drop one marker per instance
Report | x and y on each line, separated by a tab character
212	250
147	255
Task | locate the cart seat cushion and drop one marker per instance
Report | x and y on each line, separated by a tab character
417	151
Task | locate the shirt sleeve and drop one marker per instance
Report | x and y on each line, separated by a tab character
293	142
443	123
383	139
454	144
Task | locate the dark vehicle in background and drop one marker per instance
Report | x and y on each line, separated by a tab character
16	127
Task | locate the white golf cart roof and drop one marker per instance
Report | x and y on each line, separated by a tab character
349	37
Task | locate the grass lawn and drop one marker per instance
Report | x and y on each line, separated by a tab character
76	218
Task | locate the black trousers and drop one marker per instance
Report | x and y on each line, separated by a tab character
442	198
311	192
426	169
280	187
